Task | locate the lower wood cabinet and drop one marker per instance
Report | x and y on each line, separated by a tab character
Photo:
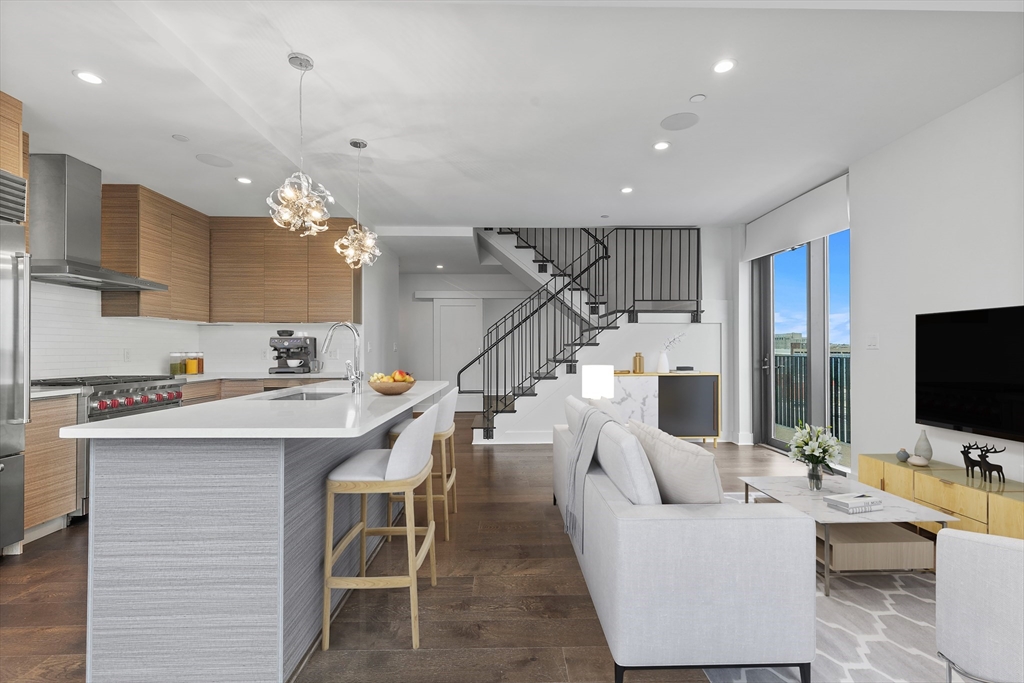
200	392
51	463
983	507
230	388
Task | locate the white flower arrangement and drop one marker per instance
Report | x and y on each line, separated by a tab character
814	446
669	343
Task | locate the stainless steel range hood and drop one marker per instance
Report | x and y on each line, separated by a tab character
64	206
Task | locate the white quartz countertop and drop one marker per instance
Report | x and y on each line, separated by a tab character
50	392
210	376
341	416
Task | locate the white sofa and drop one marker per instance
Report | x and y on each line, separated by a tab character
979	605
692	586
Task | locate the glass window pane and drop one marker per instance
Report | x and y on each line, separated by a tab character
789	292
839	339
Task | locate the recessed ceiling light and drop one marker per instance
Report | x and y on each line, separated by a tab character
604	215
680	121
88	77
214	160
698	98
244	181
440	266
724	65
661	145
627	190
179	137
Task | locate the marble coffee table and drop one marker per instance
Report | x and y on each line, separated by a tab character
869	540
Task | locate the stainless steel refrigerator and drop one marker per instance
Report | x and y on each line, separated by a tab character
15	382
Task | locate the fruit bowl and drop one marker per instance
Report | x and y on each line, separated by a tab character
391	388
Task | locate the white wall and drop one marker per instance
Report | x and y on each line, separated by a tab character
416	317
245	348
937	224
70	337
381	312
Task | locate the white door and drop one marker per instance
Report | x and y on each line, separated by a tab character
458	334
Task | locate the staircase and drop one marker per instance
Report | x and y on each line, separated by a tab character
588	282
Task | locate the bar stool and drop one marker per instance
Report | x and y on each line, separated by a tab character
444	432
400	469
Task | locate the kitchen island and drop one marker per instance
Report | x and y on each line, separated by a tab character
206	531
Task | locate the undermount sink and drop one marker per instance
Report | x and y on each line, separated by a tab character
309	396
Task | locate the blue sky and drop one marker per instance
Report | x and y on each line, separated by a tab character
791	289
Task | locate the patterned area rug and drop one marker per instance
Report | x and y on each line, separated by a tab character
875	628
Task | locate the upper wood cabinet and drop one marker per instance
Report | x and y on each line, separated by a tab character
151	236
262	273
11	141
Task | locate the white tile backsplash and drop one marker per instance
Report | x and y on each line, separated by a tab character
71	337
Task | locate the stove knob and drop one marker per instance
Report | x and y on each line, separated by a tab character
144	398
102	404
129	401
114	403
178	395
159	396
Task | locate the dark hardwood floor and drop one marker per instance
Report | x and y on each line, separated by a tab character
511	604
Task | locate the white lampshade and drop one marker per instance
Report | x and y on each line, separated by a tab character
598	381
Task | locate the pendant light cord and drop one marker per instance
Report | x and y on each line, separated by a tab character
359	158
300	121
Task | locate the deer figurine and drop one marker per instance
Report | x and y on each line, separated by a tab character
970	464
987	468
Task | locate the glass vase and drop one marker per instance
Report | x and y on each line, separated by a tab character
814	477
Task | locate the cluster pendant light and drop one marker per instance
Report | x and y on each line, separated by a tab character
359	245
300	204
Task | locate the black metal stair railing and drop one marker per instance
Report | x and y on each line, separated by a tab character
624	270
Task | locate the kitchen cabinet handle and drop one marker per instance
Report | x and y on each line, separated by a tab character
25	323
947	482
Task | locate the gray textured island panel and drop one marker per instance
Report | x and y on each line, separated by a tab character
307	463
185	561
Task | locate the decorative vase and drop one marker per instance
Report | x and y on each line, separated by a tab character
902	455
923	448
638	363
663	363
814	476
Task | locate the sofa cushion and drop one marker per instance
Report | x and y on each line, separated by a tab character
623	460
573	412
684	472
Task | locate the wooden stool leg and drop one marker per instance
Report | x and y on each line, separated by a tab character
455	481
410	539
430	522
444	488
362	535
392	438
325	636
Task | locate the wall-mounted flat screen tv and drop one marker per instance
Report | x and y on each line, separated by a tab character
970	371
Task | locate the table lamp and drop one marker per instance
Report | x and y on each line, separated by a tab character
598	381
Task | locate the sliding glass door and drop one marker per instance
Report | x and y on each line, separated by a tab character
802	341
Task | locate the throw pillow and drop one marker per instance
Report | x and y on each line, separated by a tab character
685	472
622	458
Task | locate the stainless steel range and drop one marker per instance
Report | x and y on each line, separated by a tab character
107	396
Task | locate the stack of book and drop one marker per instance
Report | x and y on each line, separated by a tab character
854	503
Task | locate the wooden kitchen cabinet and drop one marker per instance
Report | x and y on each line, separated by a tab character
230	388
236	269
11	141
193	393
51	463
151	236
262	273
285	280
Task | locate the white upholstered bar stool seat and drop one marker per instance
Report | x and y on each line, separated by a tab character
444	434
381	470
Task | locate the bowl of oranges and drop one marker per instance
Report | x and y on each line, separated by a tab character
398	382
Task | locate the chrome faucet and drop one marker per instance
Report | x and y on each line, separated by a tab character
355	372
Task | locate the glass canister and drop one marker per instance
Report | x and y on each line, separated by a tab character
177	363
192	363
200	354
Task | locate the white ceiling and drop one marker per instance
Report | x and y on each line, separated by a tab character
489	113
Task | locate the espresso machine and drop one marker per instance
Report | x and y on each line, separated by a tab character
294	355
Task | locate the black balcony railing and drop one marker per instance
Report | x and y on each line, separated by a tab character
791	394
